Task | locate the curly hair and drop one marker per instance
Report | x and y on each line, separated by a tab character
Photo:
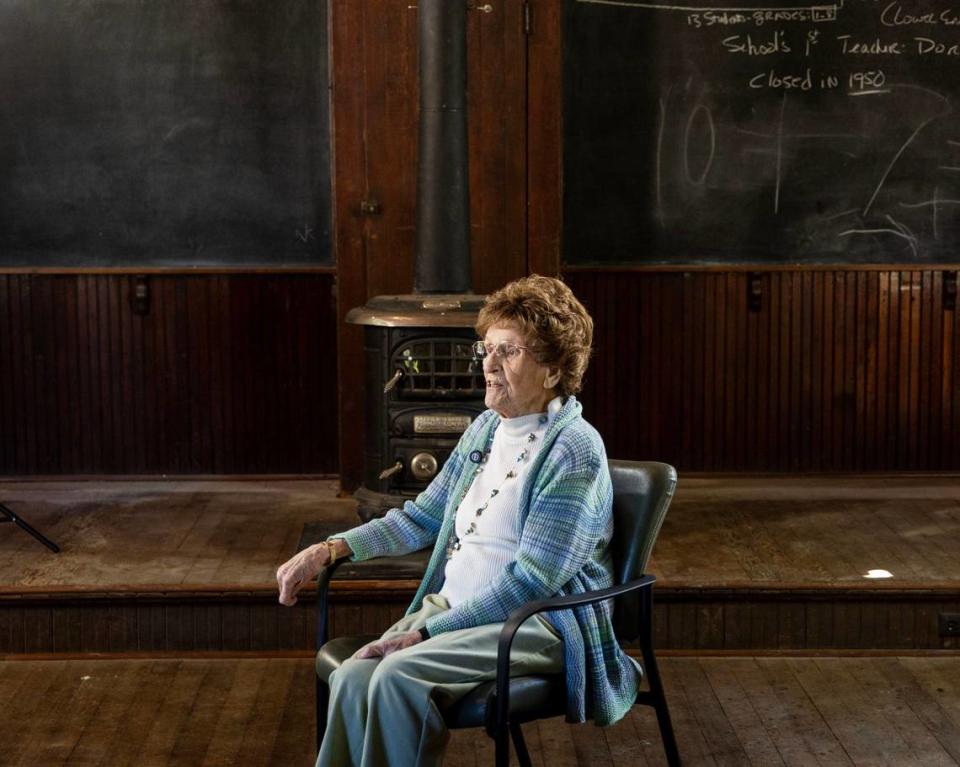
556	325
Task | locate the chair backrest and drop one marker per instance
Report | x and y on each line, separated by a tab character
642	491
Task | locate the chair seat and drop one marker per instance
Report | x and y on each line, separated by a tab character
531	697
336	651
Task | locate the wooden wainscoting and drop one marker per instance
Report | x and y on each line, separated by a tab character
836	370
224	374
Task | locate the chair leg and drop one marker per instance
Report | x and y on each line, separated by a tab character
523	756
501	740
656	696
323	703
659	701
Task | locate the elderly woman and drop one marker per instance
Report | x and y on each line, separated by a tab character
521	511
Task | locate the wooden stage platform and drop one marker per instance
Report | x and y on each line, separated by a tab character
745	565
756	712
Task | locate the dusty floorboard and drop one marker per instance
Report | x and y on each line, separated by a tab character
789	531
136	534
727	711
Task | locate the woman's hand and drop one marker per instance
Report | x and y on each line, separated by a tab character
387	645
302	568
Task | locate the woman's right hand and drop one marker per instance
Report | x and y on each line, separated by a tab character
303	567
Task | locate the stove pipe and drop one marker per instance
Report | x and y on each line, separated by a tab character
442	248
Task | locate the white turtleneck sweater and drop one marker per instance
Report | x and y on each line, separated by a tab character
484	553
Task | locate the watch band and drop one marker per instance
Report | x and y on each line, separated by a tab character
332	550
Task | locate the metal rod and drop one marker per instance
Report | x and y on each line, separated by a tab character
9	516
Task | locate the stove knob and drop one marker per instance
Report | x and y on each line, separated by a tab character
423	466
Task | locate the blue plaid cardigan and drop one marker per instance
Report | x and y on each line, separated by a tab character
564	529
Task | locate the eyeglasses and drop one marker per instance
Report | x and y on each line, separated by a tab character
503	351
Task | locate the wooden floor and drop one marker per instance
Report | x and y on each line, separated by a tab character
796	532
733	560
727	711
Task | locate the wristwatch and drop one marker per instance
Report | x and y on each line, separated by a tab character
332	550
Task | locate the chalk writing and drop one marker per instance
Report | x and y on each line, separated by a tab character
776	190
893	162
746	44
787	81
911	241
662	121
934	206
701	15
928	46
894	15
825	120
873	47
699	111
870	80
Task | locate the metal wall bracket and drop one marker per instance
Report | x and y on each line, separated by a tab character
140	296
370	207
754	291
949	291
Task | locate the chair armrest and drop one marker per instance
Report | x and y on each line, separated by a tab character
323	585
324	576
522	613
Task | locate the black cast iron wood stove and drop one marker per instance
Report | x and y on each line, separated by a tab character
423	387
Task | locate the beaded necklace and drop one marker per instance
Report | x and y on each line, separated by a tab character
455	544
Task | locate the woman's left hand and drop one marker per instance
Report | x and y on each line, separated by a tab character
386	645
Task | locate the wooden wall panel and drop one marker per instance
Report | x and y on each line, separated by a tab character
374	103
226	374
497	127
545	128
349	187
746	620
837	371
375	43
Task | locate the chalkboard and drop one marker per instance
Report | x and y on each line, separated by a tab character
761	132
164	132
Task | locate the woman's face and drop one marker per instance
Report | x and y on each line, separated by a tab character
515	386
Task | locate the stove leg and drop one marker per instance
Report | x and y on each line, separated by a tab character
9	516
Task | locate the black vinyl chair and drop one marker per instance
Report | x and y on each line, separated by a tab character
642	492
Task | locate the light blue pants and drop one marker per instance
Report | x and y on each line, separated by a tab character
387	712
